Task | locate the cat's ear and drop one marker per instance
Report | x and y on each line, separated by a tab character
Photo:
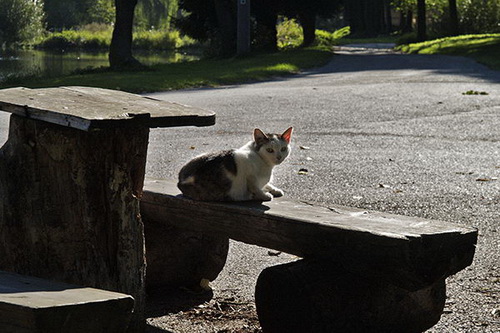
259	137
287	135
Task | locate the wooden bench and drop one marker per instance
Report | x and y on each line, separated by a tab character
71	175
362	271
32	305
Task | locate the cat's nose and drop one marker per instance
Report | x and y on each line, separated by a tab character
278	157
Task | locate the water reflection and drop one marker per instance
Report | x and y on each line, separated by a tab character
49	63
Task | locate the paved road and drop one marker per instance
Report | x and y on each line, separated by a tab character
386	131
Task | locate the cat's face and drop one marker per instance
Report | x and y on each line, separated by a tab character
273	148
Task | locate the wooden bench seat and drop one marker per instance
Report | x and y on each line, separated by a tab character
29	305
413	255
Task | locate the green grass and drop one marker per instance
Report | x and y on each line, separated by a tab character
89	39
380	39
484	48
190	74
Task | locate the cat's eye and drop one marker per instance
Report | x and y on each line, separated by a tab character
283	149
270	150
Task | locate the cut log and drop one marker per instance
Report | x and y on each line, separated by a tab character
409	252
319	296
69	207
31	305
178	257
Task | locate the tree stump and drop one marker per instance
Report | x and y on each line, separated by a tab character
69	208
181	258
321	296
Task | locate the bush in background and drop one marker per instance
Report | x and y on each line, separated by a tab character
289	34
325	38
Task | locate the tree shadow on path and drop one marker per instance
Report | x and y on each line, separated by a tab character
361	59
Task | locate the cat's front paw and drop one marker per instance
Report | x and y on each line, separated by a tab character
276	192
263	196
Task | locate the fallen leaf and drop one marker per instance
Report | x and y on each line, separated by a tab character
192	147
304	147
475	92
303	172
486	179
273	253
308	159
383	185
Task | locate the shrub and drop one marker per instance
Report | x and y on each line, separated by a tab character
325	38
94	37
81	39
289	34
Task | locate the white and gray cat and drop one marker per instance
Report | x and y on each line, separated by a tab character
237	174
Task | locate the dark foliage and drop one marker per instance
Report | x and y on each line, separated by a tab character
215	21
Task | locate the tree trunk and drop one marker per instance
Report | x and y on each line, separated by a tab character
407	21
226	28
320	296
421	21
265	35
69	208
308	22
120	51
454	29
367	17
387	16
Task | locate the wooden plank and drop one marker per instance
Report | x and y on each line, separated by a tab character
412	252
88	108
29	304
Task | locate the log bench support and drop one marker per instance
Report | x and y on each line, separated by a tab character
361	271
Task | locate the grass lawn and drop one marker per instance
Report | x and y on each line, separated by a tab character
483	48
190	74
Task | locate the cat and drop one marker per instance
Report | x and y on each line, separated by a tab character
238	174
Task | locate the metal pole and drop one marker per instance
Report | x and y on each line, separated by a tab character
243	29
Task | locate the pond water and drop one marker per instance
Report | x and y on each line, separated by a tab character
49	63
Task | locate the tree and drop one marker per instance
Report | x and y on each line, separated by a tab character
452	7
155	14
368	17
267	11
215	21
64	14
120	51
20	20
421	21
102	12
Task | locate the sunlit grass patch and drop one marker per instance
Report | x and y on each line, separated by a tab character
484	48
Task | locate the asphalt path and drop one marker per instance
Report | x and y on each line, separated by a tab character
376	130
382	131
